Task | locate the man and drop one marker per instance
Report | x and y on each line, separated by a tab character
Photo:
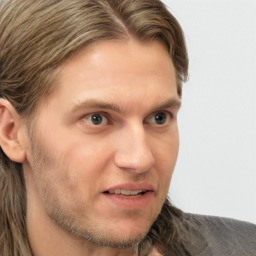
90	92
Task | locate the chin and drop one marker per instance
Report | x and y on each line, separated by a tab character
128	234
124	240
124	233
127	231
114	238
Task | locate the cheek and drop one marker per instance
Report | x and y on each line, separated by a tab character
166	153
85	155
84	163
76	159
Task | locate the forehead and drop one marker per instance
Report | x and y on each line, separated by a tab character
123	56
128	70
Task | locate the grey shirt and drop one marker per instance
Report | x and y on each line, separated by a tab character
216	236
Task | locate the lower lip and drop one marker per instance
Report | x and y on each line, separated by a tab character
131	202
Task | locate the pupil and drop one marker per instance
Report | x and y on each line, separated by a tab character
160	118
96	119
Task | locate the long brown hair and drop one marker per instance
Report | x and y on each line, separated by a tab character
38	36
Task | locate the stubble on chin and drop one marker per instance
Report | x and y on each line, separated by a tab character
61	214
95	233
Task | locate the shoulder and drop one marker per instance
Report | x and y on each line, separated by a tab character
222	236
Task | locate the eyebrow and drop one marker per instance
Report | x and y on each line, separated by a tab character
96	103
171	103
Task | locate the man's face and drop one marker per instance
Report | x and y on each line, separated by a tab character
105	143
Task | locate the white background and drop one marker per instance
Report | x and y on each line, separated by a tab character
216	168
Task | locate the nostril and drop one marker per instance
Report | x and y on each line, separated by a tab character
140	162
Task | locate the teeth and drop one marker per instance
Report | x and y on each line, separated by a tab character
126	192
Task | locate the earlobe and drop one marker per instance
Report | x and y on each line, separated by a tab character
10	125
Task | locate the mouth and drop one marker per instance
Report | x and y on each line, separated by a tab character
131	196
126	193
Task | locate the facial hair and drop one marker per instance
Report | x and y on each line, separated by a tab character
60	213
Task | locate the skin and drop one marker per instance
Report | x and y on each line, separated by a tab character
70	162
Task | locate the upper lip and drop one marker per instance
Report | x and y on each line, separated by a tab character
132	187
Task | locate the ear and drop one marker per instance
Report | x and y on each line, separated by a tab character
10	132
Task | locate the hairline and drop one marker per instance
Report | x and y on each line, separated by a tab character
57	72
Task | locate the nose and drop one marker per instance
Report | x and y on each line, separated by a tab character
133	152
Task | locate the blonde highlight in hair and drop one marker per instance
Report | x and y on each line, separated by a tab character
36	37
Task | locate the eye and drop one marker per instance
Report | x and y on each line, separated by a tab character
96	119
159	118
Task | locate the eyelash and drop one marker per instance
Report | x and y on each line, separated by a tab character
169	115
100	114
